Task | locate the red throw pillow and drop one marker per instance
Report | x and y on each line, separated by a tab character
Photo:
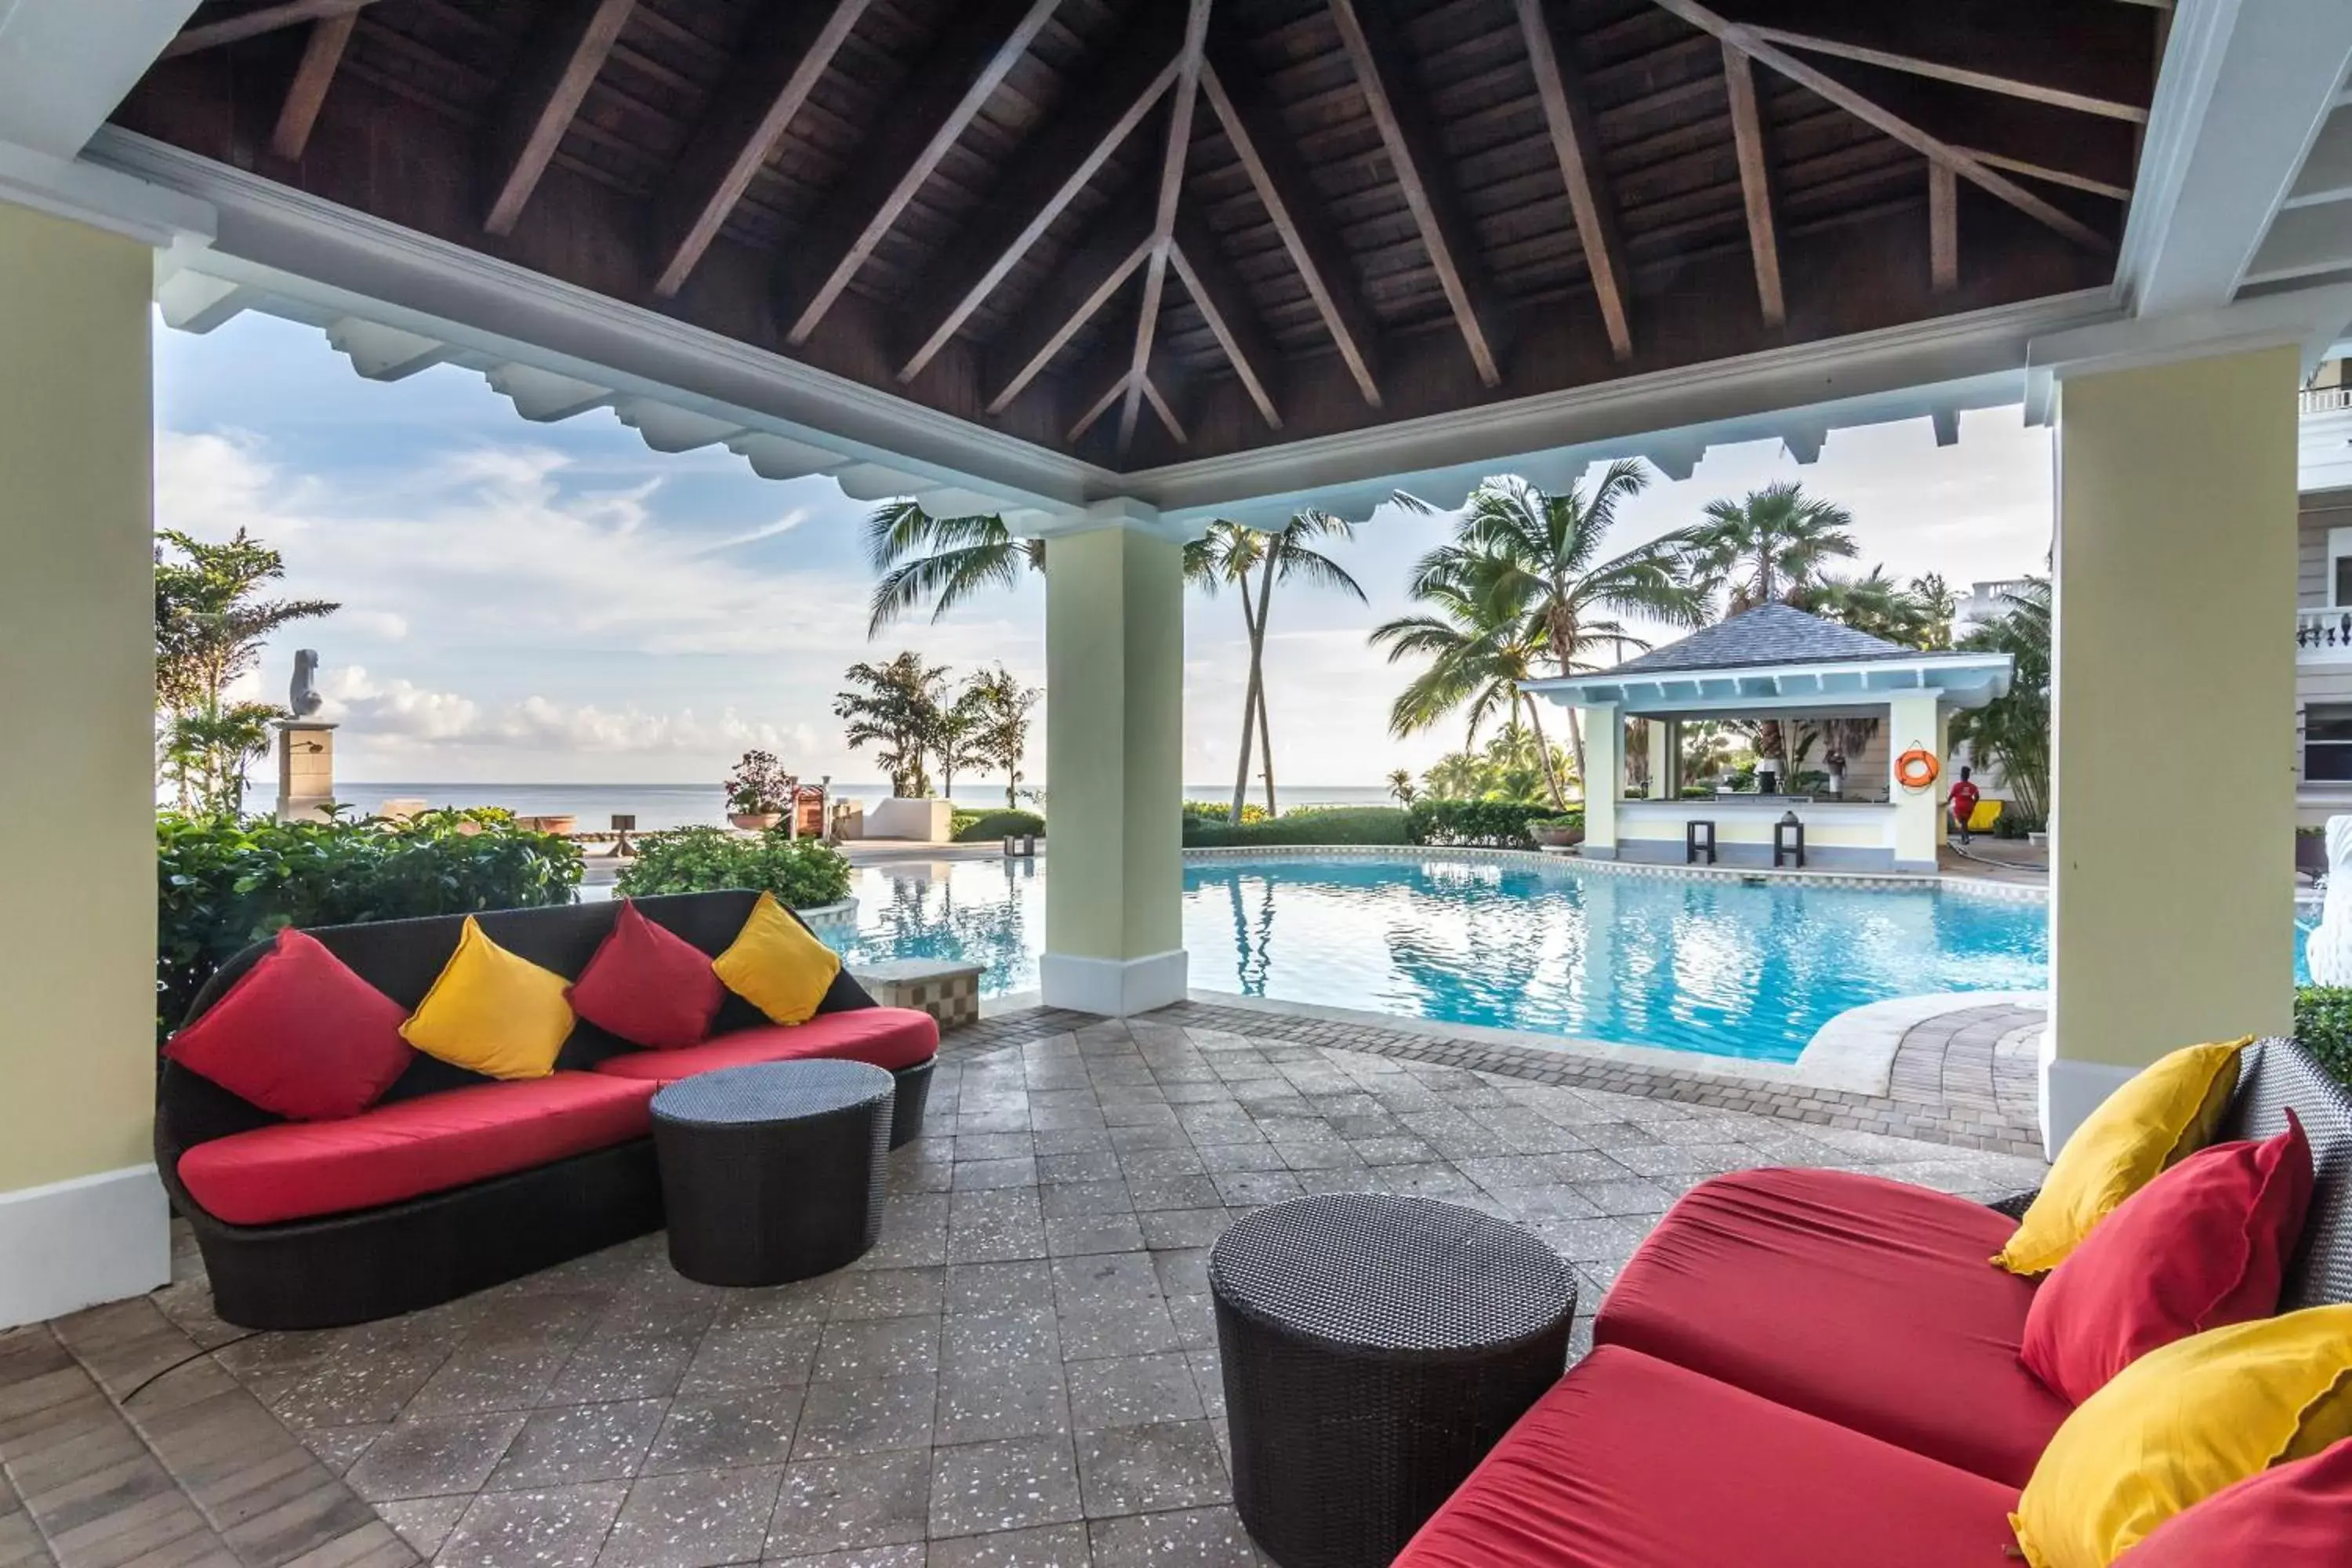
298	1033
2296	1515
2202	1245
648	985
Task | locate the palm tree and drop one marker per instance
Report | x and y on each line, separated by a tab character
1232	553
1401	786
1001	736
945	559
2012	732
1762	550
896	708
1913	614
1481	642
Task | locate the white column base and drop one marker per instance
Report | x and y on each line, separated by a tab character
75	1243
2071	1090
1116	988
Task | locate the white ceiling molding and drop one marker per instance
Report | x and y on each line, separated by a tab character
2310	320
384	353
102	198
66	64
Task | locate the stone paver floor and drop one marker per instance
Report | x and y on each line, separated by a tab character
1024	1372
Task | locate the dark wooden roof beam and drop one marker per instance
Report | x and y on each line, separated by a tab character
307	94
257	20
1958	76
2066	177
1183	98
982	42
1253	125
1064	158
1074	295
1201	267
1754	185
1943	228
1378	58
790	50
1568	120
1745	41
561	57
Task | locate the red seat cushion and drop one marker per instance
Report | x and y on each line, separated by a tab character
298	1170
2201	1247
1866	1302
890	1037
1630	1462
298	1033
648	985
2296	1515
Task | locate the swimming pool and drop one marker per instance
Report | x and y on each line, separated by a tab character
1689	963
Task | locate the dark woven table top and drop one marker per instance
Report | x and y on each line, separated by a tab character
772	1091
1378	1271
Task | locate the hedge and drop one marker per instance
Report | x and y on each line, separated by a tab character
802	872
1474	824
224	883
2323	1022
1334	824
992	824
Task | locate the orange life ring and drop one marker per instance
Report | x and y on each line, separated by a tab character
1916	769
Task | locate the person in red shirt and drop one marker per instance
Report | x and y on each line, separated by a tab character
1965	797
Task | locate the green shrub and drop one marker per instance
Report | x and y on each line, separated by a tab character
802	872
991	825
2323	1022
959	820
1219	811
224	883
1333	824
1474	824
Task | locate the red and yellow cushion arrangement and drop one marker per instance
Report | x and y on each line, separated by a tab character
298	1034
648	985
777	965
2295	1515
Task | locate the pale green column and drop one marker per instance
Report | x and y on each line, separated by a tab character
1661	746
1114	745
1604	776
1913	719
82	1214
2171	884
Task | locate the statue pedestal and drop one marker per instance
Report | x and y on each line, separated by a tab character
306	770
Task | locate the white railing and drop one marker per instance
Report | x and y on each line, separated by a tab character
2323	635
2324	399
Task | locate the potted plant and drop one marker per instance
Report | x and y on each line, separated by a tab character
1559	832
758	791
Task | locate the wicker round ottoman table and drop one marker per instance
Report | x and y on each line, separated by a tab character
1375	1347
773	1172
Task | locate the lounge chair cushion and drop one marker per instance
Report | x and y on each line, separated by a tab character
648	985
1630	1462
1864	1302
492	1012
299	1033
2295	1515
301	1170
891	1038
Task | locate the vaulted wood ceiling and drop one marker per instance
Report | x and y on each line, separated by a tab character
1147	230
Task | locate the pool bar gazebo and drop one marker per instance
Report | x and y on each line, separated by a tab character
1779	663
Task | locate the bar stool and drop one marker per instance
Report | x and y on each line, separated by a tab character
1698	838
1788	840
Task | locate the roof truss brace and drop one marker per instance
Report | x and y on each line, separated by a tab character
1183	98
558	61
1574	145
260	20
1755	183
307	94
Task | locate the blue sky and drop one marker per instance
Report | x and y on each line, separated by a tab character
557	602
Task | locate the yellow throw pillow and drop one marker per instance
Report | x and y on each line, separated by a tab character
2180	1423
491	1012
776	965
2168	1112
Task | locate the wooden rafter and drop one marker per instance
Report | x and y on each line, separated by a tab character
1943	229
260	20
1378	59
1159	402
1296	210
1958	76
1068	154
1099	406
2066	177
1201	266
1154	398
1181	99
1570	123
1077	292
1745	41
984	41
307	94
561	57
755	105
1755	183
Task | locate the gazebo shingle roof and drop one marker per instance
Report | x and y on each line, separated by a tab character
1766	635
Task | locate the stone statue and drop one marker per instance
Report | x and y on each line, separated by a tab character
302	698
2328	950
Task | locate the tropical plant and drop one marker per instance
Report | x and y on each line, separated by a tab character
1234	554
1917	614
1332	825
210	624
1401	786
758	785
1709	748
1000	707
1764	548
1480	646
224	884
1218	811
987	826
895	708
1478	824
1507	768
2012	733
945	559
802	873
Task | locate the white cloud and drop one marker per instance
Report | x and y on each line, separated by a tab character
397	715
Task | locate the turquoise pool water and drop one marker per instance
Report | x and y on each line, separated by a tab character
1727	968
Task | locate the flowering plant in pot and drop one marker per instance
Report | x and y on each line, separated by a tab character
758	791
1557	832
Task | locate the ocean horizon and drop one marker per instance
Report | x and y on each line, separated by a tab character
661	805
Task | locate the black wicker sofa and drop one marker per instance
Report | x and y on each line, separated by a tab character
374	1262
1818	1369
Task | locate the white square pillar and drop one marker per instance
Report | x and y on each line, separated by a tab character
1114	744
1660	735
1915	718
1604	776
2171	872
